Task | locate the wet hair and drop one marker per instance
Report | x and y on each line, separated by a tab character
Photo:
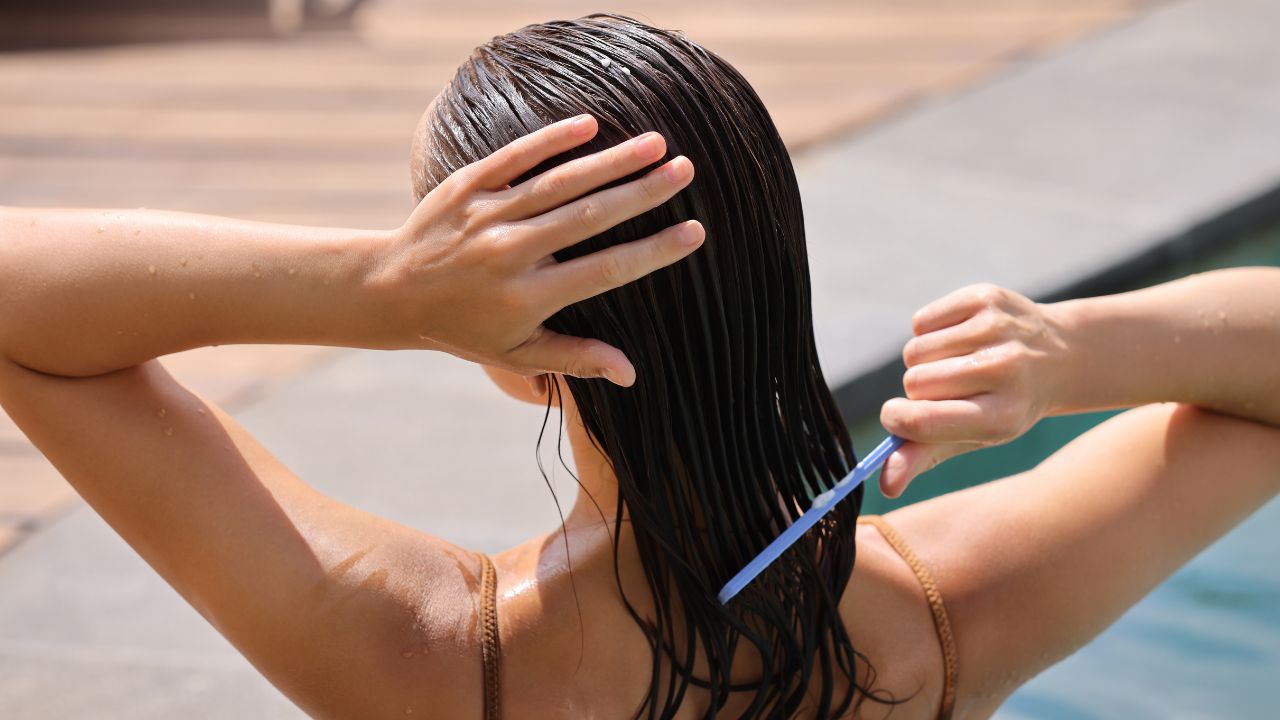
730	429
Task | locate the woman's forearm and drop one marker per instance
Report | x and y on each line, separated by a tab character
83	292
1211	340
471	271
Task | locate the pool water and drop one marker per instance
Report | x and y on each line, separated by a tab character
1205	643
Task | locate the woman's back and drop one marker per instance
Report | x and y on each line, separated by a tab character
558	663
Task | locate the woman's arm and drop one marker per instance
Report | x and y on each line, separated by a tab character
987	363
85	292
1211	340
349	614
1034	566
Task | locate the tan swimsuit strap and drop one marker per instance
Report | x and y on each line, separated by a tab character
950	659
490	643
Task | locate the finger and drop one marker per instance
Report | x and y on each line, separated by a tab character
953	308
522	155
576	178
912	460
598	212
938	421
949	379
953	341
548	351
587	276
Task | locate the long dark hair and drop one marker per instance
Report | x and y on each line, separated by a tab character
730	429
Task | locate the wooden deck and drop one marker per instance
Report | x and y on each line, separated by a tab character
314	128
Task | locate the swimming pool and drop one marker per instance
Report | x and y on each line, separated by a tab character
1205	643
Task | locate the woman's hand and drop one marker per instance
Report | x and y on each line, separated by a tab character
472	271
984	366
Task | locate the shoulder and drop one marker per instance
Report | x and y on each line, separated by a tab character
570	649
888	616
400	623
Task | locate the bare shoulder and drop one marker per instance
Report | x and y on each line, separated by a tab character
888	617
570	649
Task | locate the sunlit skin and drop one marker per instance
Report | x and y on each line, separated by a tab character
353	616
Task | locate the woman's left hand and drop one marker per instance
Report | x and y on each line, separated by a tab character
472	272
982	369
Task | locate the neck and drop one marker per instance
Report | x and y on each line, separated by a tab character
599	483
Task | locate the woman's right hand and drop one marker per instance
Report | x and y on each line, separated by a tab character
472	272
984	366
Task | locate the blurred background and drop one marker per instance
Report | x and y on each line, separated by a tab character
1059	147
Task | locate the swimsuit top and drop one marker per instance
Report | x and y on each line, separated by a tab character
491	648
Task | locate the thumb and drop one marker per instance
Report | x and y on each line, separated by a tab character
549	351
911	460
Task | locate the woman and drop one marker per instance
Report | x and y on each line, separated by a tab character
725	435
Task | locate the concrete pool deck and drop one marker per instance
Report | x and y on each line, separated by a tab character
1118	145
1141	141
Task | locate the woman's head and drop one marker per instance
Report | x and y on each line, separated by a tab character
730	429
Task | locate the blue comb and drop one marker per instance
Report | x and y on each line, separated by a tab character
821	505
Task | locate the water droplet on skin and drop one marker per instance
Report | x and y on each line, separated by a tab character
406	654
226	448
151	269
292	272
161	413
168	431
408	711
201	411
101	229
1177	338
192	296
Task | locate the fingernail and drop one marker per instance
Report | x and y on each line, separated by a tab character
895	467
649	145
619	378
678	169
691	233
581	125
